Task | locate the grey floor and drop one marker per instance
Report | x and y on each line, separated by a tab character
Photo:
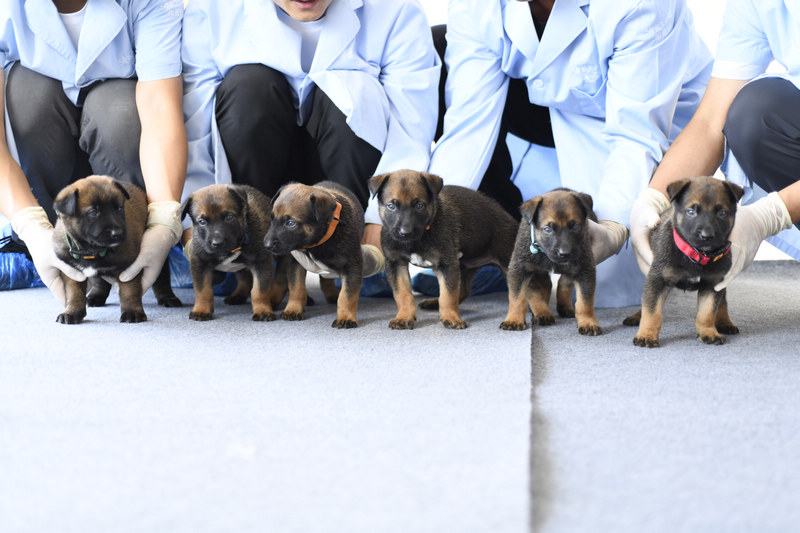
231	425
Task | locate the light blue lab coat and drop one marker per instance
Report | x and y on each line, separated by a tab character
375	60
621	79
119	39
754	34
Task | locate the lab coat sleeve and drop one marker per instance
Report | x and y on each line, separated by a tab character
409	77
200	81
157	35
475	93
743	51
646	72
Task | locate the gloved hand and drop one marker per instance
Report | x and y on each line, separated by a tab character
645	216
372	256
607	238
33	227
754	223
226	266
163	231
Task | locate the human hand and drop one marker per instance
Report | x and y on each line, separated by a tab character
645	216
228	265
754	223
163	232
33	227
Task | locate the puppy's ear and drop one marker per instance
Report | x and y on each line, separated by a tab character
376	183
239	198
585	202
186	209
322	206
735	191
122	189
67	204
675	188
274	198
529	209
432	182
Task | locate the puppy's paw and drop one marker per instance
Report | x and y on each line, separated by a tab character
96	301
67	318
402	323
264	317
566	312
590	330
235	299
510	325
292	315
646	342
344	323
543	320
133	317
453	323
170	301
430	304
200	316
727	329
711	338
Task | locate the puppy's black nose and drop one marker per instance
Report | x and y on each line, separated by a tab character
705	234
217	243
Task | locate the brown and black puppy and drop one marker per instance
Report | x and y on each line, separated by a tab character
99	231
229	223
451	229
324	221
553	237
690	252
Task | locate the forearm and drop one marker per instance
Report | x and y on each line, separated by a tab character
16	193
791	198
163	148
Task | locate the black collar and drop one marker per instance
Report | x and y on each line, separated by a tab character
77	252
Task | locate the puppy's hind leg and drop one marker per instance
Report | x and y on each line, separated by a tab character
723	320
244	283
162	288
449	277
99	290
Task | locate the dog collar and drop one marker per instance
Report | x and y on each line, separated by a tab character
77	253
702	258
331	228
535	246
244	242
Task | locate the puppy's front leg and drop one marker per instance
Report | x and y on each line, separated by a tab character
449	276
260	294
347	304
723	321
130	301
707	303
296	305
400	280
517	301
584	309
203	308
538	293
75	311
653	297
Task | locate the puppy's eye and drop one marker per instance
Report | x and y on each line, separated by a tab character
575	226
419	206
228	217
94	213
722	213
201	222
390	206
690	212
547	230
121	209
290	223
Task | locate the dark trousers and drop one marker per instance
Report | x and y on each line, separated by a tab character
59	142
527	121
763	132
266	148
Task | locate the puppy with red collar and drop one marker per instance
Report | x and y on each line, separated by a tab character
690	252
319	225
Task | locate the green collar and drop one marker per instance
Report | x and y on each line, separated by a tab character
77	253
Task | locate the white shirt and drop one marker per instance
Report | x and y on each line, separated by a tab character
73	22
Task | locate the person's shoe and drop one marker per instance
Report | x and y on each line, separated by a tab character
488	279
608	237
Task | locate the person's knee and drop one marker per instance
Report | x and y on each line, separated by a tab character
111	117
31	102
757	105
248	90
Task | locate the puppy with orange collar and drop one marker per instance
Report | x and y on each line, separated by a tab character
319	225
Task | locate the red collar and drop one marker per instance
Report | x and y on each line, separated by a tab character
697	256
331	227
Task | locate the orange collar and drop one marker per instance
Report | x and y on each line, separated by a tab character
331	228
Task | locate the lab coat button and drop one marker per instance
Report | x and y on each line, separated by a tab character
538	84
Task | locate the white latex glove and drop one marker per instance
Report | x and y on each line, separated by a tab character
372	257
163	231
607	238
226	266
645	216
33	227
754	223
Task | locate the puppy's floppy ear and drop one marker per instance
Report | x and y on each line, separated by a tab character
432	182
735	191
322	206
67	204
676	188
122	189
376	183
239	198
585	202
275	198
529	209
186	209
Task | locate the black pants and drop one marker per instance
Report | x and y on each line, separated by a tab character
266	148
527	121
763	132
59	142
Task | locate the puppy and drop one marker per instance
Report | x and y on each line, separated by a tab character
229	223
690	252
451	229
553	237
324	221
99	232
